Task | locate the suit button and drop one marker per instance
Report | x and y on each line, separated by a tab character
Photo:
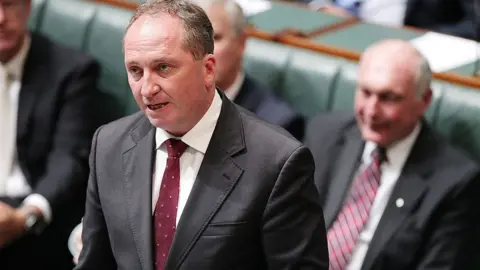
400	202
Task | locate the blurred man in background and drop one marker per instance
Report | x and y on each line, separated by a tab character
47	120
396	195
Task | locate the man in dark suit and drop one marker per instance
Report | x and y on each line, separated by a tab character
229	24
396	195
193	181
445	16
47	120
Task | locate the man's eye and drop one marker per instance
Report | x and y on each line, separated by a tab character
163	67
135	70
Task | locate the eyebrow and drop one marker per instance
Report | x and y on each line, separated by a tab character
159	60
132	63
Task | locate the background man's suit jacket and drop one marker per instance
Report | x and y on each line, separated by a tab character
265	105
445	16
56	122
253	205
437	228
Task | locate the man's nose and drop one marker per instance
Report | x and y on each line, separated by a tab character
372	106
150	86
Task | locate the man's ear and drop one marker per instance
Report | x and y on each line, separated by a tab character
209	70
427	96
242	40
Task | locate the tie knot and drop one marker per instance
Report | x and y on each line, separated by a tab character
379	154
175	148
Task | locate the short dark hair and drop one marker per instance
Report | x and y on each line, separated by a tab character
198	36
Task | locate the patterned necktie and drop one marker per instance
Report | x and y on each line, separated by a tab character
343	235
165	214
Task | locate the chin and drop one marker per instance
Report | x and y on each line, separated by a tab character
373	136
158	123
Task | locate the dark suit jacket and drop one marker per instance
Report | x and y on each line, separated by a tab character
453	17
56	122
253	205
259	100
437	228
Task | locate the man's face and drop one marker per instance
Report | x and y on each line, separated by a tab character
168	83
229	46
386	103
13	26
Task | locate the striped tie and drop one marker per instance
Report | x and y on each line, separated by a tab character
343	235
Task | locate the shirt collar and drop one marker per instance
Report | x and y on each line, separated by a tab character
397	153
16	64
199	136
234	89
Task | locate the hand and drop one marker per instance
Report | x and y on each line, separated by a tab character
334	10
12	223
79	244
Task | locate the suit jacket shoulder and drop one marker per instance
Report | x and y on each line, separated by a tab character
113	133
446	158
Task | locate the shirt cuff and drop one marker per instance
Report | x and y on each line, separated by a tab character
42	203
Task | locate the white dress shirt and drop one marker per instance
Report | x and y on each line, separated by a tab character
387	12
234	89
197	140
16	185
397	155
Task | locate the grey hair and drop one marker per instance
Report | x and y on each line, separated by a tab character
423	76
422	71
234	12
198	30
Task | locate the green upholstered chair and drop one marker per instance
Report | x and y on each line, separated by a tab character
67	23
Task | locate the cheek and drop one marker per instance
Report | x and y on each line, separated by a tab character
220	57
396	114
136	88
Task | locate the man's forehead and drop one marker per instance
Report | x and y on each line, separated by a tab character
154	26
382	77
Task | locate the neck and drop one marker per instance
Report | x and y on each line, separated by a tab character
230	79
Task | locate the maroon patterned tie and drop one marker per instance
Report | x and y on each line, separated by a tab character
343	235
165	213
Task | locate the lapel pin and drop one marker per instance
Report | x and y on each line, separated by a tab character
399	202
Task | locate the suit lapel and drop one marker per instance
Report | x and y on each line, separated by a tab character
414	173
34	79
216	178
345	168
138	159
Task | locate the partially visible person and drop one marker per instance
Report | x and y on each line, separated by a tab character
229	24
396	195
47	120
445	16
193	181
